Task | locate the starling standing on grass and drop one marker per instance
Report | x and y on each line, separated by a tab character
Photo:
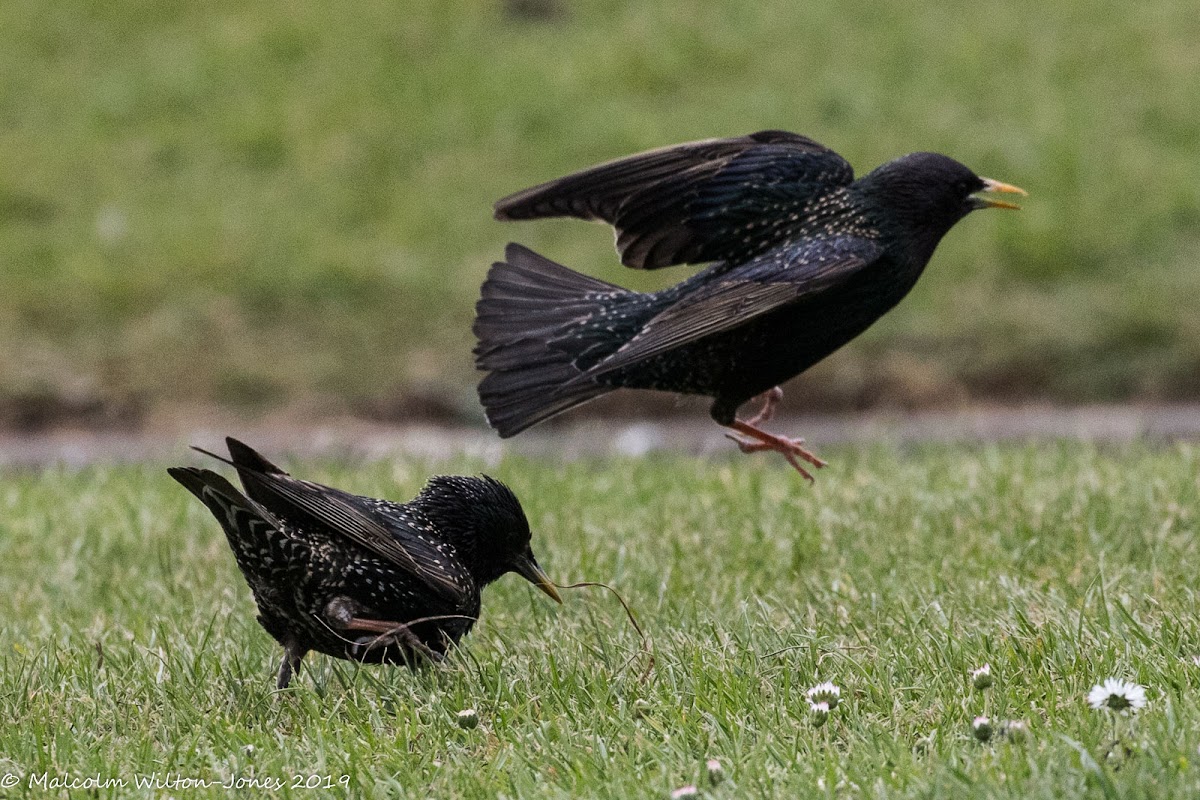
364	579
804	256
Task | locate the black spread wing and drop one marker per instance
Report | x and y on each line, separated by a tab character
744	294
352	517
693	203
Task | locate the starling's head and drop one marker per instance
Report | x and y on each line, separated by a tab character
485	522
925	194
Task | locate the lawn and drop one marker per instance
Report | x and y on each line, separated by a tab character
129	645
264	205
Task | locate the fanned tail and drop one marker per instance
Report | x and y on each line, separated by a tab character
527	310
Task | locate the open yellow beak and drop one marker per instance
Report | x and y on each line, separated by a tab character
990	185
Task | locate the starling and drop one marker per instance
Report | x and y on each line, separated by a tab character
359	578
803	259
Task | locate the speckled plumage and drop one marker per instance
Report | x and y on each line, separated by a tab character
344	574
804	258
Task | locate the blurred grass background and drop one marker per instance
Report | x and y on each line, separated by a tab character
273	205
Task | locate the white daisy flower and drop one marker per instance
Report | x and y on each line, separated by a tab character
1117	695
820	713
825	692
982	728
982	677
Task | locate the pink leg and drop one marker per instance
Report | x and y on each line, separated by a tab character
770	401
388	633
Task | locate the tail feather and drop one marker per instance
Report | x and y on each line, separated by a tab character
209	487
515	355
261	546
519	398
532	272
526	302
237	514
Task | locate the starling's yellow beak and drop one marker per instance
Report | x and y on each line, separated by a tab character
990	185
528	569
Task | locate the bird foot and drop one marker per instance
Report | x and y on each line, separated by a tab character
293	653
751	446
770	401
365	644
387	634
756	440
342	613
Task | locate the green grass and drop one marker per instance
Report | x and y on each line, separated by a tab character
893	576
262	204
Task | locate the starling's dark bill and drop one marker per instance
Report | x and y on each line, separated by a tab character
805	258
359	578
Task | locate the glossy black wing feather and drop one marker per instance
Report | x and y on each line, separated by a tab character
695	202
356	518
743	294
597	193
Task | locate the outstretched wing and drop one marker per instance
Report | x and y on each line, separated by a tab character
696	202
396	539
744	294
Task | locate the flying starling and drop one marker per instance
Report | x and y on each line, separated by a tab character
803	259
359	578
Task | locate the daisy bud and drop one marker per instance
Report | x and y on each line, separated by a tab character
715	773
826	693
820	713
982	728
641	707
467	719
685	791
982	677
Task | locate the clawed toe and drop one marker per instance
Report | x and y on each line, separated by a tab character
746	445
756	440
383	634
365	644
812	458
794	446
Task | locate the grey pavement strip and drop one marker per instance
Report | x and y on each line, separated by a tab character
595	437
